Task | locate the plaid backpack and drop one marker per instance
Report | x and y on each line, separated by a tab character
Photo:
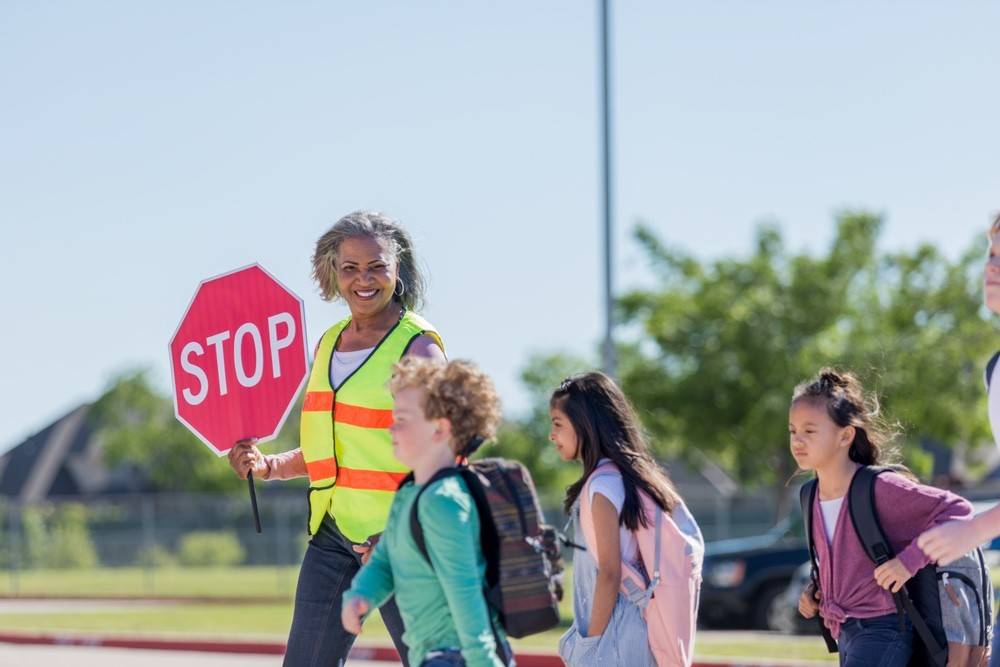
950	606
523	554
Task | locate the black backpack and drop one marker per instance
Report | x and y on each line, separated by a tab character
940	612
990	365
523	554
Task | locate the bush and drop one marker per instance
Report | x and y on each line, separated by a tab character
206	548
156	556
71	543
58	537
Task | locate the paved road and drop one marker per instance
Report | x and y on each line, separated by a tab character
84	656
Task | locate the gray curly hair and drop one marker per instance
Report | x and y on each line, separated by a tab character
377	226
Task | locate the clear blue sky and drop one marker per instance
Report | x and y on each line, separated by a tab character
144	147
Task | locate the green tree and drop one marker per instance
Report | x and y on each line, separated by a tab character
527	438
137	426
722	343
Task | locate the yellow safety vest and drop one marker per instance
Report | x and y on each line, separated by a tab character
345	433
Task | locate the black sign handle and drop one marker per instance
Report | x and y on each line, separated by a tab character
253	501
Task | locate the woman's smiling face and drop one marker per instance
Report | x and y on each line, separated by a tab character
366	275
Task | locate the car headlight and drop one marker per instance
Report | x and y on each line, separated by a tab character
726	573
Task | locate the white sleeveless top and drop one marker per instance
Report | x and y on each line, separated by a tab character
342	364
611	487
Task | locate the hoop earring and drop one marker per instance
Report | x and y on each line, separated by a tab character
400	288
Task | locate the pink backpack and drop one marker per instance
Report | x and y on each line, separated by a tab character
672	550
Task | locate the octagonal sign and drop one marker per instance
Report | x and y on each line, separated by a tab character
238	358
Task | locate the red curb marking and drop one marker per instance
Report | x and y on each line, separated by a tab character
379	653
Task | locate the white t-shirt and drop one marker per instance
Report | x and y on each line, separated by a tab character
831	511
342	364
611	487
993	401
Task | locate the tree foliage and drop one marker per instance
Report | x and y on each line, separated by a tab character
137	428
527	438
722	343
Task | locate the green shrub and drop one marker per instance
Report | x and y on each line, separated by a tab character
208	548
57	536
156	556
72	546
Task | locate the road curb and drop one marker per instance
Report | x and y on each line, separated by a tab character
372	652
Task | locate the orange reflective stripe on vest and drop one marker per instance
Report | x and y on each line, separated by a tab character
355	415
318	401
344	413
371	480
322	469
354	478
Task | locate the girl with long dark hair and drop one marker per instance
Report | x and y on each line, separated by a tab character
593	422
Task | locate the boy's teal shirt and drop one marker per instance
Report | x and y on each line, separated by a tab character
442	607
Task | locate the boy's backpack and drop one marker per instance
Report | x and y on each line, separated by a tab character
523	554
950	606
667	587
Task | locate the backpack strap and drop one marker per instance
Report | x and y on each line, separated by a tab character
864	518
990	365
807	498
487	529
415	528
487	538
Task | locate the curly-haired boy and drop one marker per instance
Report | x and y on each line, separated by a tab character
438	409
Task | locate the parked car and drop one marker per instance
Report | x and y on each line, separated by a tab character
787	616
744	578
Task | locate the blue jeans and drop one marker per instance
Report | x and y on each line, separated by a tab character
875	642
452	657
317	639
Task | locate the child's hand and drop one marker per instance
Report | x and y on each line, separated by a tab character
892	575
352	613
809	602
950	540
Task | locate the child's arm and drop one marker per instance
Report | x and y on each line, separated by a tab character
922	507
452	544
609	572
950	540
371	587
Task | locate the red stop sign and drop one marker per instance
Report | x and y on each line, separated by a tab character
238	358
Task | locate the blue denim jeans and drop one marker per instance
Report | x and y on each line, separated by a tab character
317	639
452	657
875	642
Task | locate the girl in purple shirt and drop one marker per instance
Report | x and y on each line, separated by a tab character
835	429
